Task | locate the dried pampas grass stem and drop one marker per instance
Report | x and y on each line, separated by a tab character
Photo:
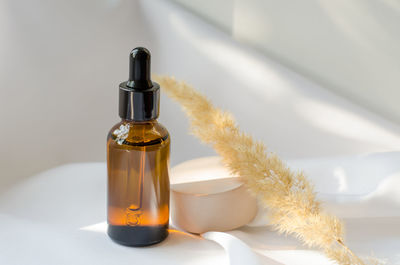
288	195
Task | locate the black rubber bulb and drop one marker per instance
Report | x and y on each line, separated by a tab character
139	69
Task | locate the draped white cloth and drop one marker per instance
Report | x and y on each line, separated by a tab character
58	217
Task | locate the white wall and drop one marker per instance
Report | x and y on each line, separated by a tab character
351	47
61	63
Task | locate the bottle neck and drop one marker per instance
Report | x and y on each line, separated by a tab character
154	121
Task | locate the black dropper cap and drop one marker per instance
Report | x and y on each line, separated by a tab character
139	97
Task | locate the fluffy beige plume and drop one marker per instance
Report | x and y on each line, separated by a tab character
289	196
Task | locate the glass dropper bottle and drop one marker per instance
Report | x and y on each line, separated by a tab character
138	150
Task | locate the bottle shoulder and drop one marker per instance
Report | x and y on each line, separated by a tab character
139	133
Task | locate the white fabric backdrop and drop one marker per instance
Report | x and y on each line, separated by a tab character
61	63
349	46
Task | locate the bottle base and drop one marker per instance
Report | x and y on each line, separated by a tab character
137	236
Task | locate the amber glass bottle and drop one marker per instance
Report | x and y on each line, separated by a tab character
138	161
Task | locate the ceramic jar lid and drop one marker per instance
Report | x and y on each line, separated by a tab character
206	197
